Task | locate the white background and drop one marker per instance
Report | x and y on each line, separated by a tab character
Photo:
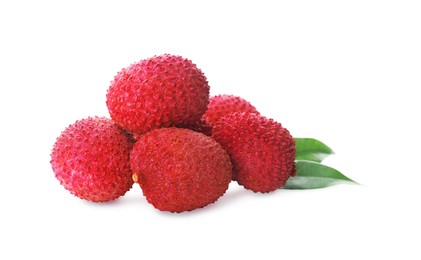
344	72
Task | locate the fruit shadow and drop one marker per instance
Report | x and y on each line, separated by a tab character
233	195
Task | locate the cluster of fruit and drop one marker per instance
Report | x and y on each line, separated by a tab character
165	133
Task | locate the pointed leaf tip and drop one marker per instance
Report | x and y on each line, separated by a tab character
313	175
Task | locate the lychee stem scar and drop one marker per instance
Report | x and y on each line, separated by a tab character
135	178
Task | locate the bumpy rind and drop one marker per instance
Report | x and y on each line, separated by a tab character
262	151
179	169
91	159
223	105
161	91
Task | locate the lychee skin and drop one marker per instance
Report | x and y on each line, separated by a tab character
91	159
180	169
222	105
262	151
161	91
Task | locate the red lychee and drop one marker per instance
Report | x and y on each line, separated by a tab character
180	169
262	151
161	91
91	159
222	105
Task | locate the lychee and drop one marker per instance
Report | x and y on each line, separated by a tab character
180	169
91	159
222	105
161	91
262	151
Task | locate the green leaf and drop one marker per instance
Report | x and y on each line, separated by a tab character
310	149
313	175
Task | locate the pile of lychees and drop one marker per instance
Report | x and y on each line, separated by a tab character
165	133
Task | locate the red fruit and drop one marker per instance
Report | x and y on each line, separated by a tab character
161	91
179	169
91	159
222	105
262	151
